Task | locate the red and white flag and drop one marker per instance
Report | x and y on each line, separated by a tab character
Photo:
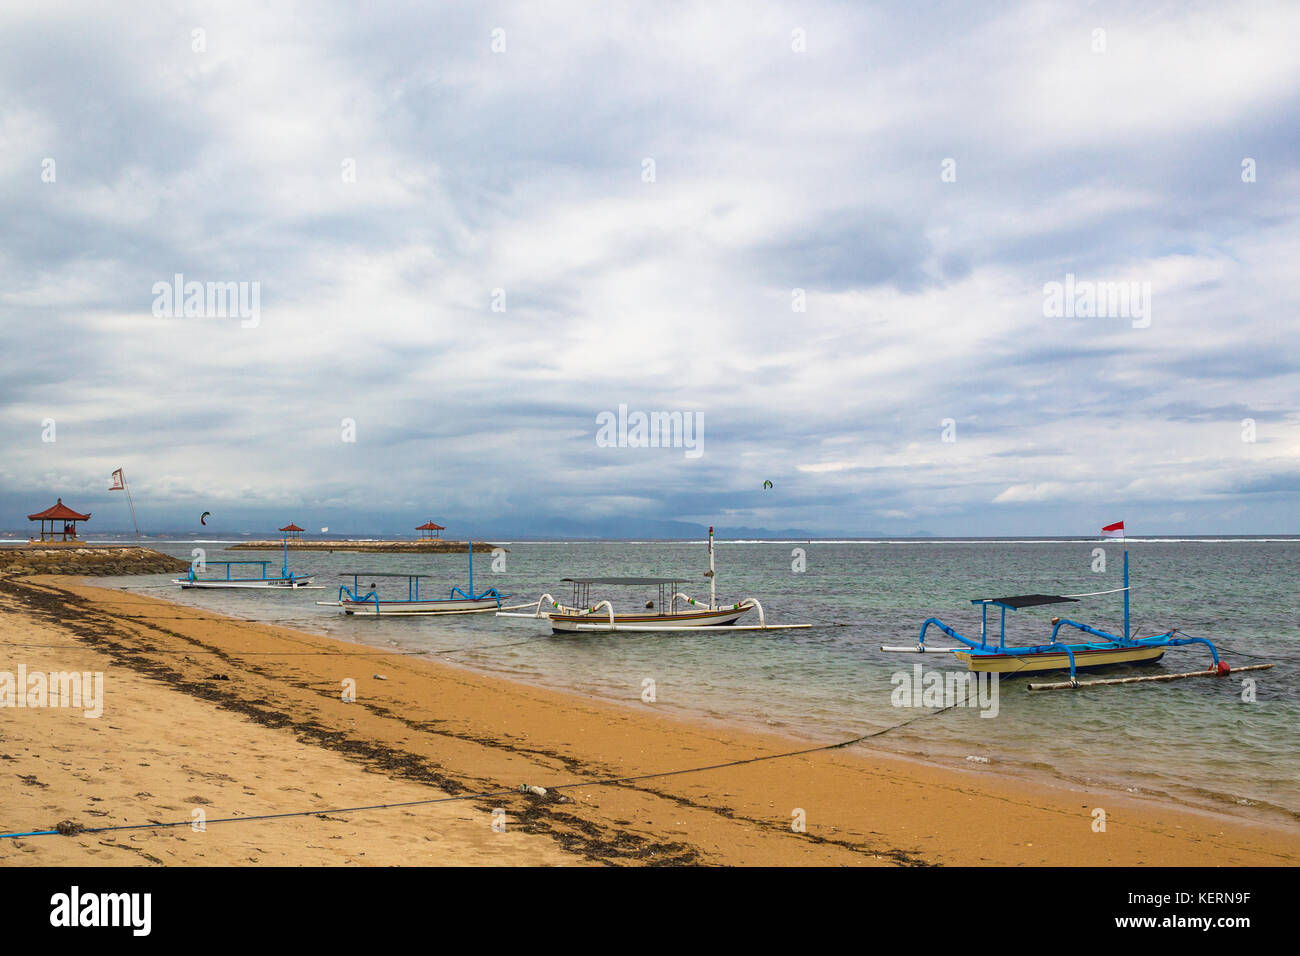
1115	530
118	481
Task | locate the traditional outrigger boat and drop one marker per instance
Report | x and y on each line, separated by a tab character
285	580
1105	649
458	601
673	611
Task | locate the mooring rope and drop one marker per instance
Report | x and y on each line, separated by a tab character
484	795
1095	593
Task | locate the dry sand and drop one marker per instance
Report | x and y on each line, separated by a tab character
276	737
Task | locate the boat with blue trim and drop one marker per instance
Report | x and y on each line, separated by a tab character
1099	649
286	579
458	601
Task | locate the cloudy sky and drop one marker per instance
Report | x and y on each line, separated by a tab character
823	229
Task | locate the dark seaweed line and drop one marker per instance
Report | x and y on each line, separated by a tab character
54	604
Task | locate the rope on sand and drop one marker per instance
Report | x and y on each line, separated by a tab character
484	795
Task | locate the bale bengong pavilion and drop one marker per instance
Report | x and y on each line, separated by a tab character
62	522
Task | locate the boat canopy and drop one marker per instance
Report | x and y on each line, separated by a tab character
1026	600
617	581
380	574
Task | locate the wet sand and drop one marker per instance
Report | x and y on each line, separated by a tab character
240	719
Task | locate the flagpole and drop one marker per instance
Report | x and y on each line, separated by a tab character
131	505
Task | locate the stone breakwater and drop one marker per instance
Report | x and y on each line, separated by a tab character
371	547
94	560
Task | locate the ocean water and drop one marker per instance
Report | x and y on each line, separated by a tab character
1197	741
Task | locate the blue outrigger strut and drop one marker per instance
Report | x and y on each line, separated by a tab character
471	596
413	589
985	651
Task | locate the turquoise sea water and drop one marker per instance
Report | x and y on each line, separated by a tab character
1195	740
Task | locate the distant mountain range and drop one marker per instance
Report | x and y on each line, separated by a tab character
632	528
500	529
534	530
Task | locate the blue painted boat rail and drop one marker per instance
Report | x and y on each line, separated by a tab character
1060	622
489	593
935	622
371	598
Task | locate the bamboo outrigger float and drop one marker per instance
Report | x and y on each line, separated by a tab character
674	610
1104	649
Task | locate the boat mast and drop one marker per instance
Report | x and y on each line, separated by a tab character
471	569
1127	636
713	586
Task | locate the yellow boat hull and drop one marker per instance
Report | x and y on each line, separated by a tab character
1054	661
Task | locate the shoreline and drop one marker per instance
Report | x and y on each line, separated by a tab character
1194	796
1189	796
448	728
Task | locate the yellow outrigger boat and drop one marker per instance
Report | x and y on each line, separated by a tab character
1104	649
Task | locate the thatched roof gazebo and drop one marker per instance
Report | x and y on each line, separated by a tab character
59	513
292	530
429	531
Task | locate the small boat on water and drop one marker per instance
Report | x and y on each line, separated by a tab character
1101	650
285	580
673	610
353	601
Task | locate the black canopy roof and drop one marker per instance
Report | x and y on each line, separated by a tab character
379	574
626	581
1026	600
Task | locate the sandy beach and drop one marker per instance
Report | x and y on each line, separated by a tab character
240	719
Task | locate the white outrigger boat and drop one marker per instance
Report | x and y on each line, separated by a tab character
286	580
353	601
673	611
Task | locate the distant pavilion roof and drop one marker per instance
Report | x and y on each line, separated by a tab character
59	512
430	526
292	527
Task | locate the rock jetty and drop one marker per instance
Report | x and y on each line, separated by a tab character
91	559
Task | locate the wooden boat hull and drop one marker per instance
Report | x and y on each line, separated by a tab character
565	623
1056	660
411	608
273	584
